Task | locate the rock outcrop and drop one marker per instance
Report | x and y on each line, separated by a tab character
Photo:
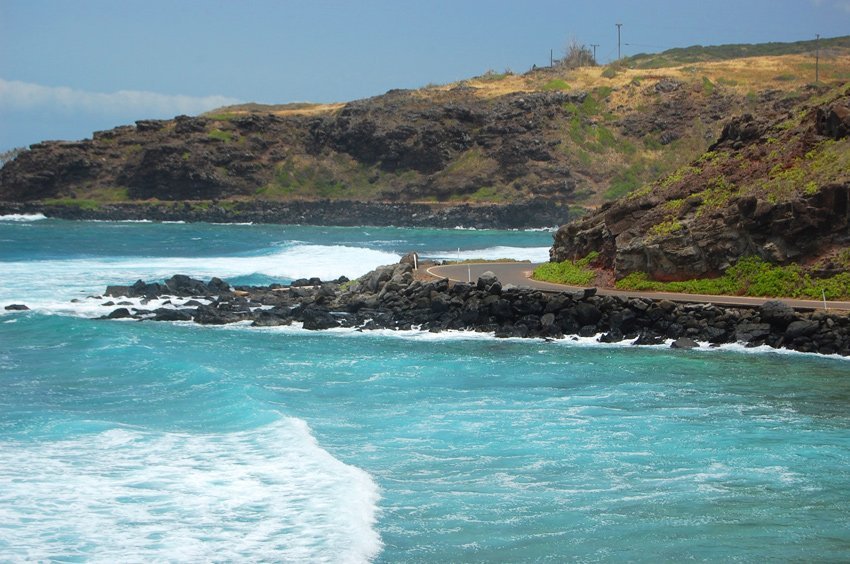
391	297
779	191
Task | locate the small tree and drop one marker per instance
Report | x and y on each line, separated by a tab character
9	155
577	55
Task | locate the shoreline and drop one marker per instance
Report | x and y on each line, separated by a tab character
392	298
418	334
535	214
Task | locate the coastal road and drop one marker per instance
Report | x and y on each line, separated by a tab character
518	274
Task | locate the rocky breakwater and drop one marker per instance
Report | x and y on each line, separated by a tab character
391	297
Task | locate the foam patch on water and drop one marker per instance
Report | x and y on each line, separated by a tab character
23	217
118	220
533	254
270	494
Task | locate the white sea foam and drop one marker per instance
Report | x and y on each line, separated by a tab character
533	254
270	494
23	217
416	334
118	220
540	229
50	285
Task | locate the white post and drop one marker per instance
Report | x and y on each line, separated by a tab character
415	262
458	255
469	270
823	293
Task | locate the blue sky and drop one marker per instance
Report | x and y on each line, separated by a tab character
68	68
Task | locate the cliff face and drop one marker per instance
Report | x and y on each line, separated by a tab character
567	137
398	147
776	189
496	139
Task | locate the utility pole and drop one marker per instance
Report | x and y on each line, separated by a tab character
817	58
619	25
594	45
551	58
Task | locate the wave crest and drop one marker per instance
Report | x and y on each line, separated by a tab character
125	495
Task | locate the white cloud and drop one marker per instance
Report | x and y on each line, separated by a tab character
21	96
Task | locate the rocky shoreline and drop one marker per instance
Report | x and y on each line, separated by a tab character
392	297
538	213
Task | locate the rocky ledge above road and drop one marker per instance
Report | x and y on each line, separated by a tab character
778	190
391	297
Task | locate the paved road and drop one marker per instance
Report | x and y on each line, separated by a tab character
517	273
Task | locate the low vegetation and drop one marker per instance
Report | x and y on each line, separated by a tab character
571	272
751	277
700	54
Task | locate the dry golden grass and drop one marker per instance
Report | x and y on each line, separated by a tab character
312	109
295	109
752	74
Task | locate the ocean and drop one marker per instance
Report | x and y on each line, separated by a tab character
138	441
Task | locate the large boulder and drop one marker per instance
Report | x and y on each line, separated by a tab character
587	314
487	280
752	332
777	313
316	318
834	121
801	328
182	285
120	313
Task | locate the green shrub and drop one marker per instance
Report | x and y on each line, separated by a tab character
224	116
605	137
609	72
750	276
221	135
624	182
665	228
556	84
74	203
574	273
493	75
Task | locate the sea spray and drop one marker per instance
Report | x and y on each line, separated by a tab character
126	494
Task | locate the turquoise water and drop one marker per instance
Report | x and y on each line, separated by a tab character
141	441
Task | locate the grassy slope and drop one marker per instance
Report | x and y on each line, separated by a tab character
605	163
